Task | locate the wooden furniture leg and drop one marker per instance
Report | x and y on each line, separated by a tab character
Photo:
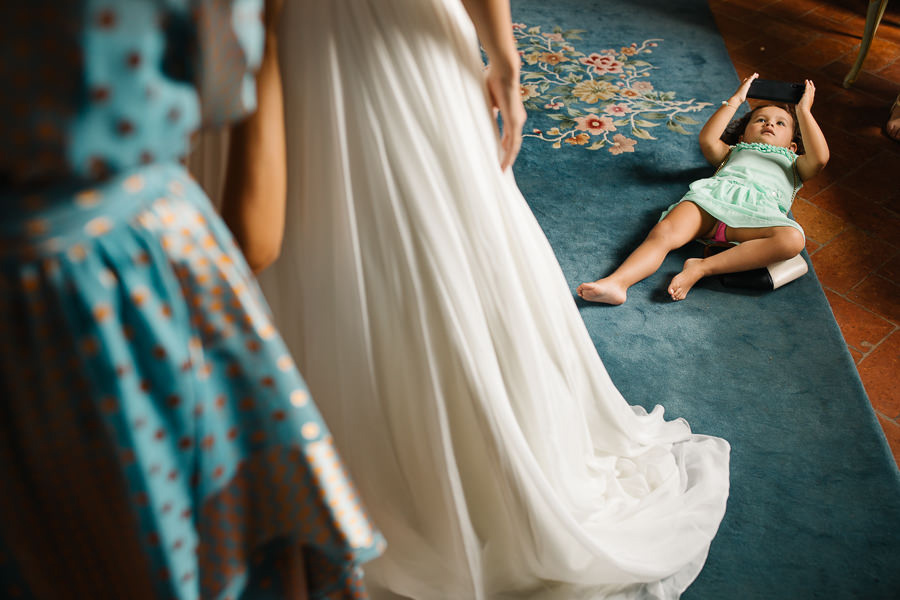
873	18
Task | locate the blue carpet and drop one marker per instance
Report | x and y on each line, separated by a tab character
814	510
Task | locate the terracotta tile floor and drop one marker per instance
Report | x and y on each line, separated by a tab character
851	211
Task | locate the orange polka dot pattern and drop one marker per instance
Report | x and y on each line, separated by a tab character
156	439
93	88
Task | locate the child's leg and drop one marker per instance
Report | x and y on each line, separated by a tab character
759	247
685	222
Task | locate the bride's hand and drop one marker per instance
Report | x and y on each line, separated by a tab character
506	97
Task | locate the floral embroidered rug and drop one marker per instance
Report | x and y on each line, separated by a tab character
595	100
617	91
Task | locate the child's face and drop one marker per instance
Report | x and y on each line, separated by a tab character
770	125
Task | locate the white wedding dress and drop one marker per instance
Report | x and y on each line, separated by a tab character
438	335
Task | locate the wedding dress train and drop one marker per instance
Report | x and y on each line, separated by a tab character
438	335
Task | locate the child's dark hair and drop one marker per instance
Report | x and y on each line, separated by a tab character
735	129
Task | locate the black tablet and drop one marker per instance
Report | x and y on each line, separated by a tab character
777	91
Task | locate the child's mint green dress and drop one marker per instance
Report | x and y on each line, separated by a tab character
156	439
755	187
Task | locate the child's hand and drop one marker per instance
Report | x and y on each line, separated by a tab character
741	94
809	94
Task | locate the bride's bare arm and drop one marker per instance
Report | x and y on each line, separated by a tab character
494	26
253	201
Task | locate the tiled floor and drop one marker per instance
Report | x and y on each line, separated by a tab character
851	211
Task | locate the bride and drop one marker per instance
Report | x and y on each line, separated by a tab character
436	331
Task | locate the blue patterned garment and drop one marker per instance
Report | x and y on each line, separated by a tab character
156	439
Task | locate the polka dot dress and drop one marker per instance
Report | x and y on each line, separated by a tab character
156	439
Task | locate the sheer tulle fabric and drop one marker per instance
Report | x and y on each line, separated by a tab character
437	332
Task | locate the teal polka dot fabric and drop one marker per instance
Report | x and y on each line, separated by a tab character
156	438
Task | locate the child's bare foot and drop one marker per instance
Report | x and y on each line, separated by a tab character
602	290
682	283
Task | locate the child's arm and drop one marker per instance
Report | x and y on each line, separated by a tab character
816	149
713	148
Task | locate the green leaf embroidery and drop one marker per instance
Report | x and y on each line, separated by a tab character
676	127
641	133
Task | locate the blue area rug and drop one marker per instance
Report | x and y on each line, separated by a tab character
617	91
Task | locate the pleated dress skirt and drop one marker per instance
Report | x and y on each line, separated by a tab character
156	438
437	332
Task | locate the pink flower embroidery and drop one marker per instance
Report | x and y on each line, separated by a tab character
554	37
602	63
622	144
518	25
594	124
556	105
642	86
617	109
